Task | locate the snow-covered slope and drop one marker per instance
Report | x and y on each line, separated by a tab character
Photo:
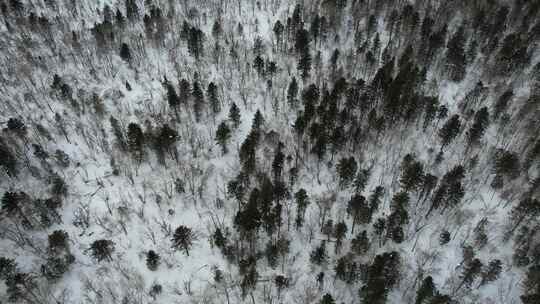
385	80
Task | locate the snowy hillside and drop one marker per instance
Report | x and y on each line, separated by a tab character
272	151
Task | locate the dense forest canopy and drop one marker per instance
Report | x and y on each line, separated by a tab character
271	151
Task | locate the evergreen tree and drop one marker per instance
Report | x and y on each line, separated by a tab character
102	250
12	205
375	199
455	55
247	151
59	257
258	64
337	139
527	208
470	272
19	286
427	290
346	169
17	6
428	184
172	97
198	100
223	135
183	239
107	14
166	139
296	20
502	103
315	28
59	187
302	201
278	31
237	187
339	233
300	124
258	121
248	219
271	70
212	94
57	82
119	19
320	280
507	164
132	10
450	190
398	217
379	226
512	54
383	275
301	44
328	229
361	180
450	130
412	173
304	64
152	260
258	46
327	299
292	93
219	238
281	283
234	115
8	267
361	243
444	237
271	254
217	29
16	126
492	272
277	163
319	147
125	53
334	60
436	42
310	98
118	133
478	128
249	279
58	242
135	141
442	299
8	160
318	256
360	211
531	285
195	42
184	32
431	105
184	90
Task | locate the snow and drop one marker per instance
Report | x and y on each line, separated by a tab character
143	198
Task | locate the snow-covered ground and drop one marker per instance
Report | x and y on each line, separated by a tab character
139	208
